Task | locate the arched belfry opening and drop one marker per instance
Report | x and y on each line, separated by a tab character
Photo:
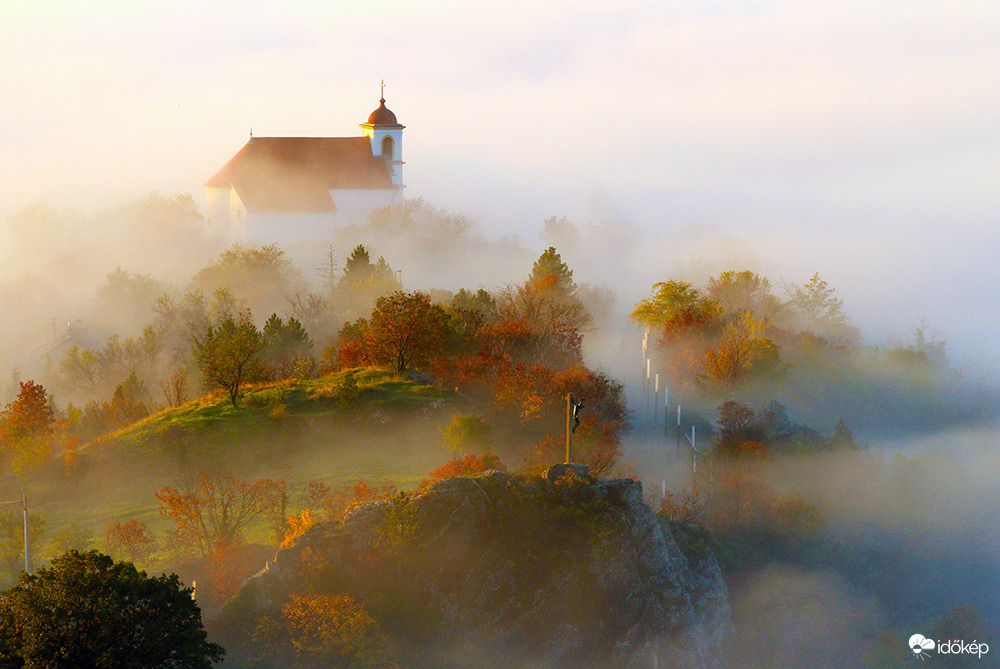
388	147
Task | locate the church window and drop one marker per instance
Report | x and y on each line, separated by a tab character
387	147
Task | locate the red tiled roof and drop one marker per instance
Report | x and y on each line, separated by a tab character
295	174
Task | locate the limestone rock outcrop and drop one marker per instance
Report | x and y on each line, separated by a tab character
496	570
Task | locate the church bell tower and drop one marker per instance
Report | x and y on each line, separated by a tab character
386	135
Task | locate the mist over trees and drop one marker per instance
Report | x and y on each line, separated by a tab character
241	394
734	338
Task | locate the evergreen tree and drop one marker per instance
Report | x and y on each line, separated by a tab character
550	273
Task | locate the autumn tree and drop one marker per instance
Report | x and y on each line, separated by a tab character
540	304
548	296
128	404
27	426
228	355
536	324
534	400
405	329
466	465
326	503
740	292
174	387
684	322
744	353
741	430
109	615
675	306
328	630
211	510
507	343
132	538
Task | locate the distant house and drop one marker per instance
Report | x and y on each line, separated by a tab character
286	189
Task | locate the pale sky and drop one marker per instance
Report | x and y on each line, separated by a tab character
858	140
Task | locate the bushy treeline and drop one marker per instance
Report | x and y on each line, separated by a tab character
735	338
514	353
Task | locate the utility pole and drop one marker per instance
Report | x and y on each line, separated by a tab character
666	411
656	398
648	384
678	430
24	509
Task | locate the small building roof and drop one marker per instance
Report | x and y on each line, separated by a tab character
296	174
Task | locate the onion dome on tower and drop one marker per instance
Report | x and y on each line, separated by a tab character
382	115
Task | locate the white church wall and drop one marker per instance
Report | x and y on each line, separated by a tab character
237	217
284	229
355	205
217	211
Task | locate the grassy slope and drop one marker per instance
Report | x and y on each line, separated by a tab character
329	429
264	408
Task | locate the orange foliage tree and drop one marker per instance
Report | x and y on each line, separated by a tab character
321	503
464	466
744	353
132	538
336	630
211	510
27	426
403	330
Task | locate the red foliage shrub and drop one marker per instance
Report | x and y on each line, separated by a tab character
464	466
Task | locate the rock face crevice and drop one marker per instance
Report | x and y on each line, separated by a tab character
495	570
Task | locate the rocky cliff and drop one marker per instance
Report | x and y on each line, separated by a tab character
494	570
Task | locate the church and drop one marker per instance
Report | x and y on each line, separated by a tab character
294	189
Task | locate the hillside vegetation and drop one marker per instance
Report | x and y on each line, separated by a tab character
269	411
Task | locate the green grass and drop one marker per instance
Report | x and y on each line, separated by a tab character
269	407
358	424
